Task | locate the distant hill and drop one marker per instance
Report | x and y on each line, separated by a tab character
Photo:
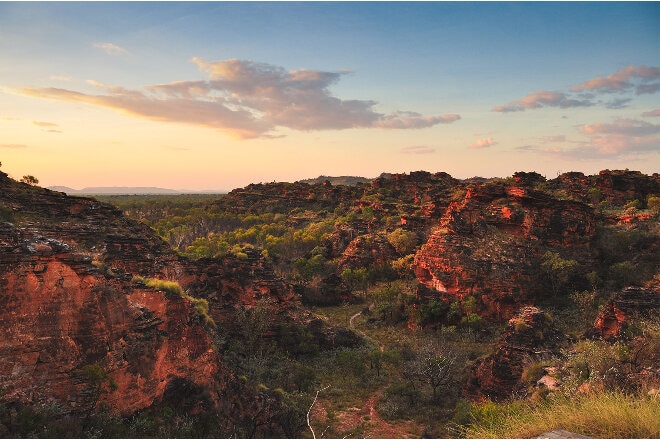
340	180
96	190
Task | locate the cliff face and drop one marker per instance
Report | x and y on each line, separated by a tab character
77	329
75	337
490	244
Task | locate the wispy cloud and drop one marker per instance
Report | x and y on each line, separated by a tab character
418	149
629	127
247	99
619	139
174	148
543	98
483	143
618	103
623	80
637	79
651	113
44	124
552	139
110	48
413	120
13	146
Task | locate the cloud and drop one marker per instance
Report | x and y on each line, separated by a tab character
110	48
483	143
647	89
543	98
61	78
620	81
248	99
553	139
13	146
621	138
655	112
631	127
173	148
618	103
637	79
44	124
414	120
418	149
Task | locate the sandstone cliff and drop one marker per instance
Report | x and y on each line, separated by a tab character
80	328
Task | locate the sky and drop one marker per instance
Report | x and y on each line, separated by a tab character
217	95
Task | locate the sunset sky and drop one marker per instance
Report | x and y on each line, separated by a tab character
213	96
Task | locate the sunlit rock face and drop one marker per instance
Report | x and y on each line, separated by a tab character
60	316
76	330
490	244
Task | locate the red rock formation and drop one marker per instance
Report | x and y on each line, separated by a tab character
490	244
370	250
528	335
621	186
59	315
629	303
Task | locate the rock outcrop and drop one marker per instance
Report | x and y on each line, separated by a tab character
75	337
529	335
77	330
615	316
490	244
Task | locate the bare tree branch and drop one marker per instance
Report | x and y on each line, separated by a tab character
310	410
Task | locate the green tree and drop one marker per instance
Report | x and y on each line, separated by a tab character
30	180
558	270
653	203
356	279
304	378
404	242
307	268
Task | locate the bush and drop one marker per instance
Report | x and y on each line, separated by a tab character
6	214
399	399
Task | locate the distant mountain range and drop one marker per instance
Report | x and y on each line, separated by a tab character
125	190
340	180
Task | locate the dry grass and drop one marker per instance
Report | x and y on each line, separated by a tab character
604	415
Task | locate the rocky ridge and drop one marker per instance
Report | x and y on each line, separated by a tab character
80	328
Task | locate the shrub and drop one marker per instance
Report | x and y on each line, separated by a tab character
653	203
172	287
398	400
473	321
6	214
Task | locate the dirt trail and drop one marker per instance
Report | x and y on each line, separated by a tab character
351	324
365	422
